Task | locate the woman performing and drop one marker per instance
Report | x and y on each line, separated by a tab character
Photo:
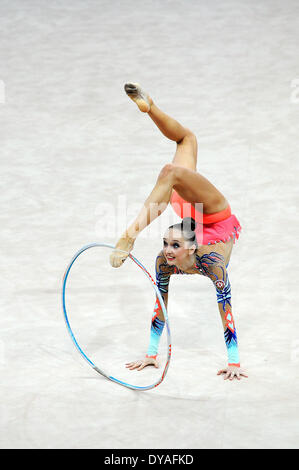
201	244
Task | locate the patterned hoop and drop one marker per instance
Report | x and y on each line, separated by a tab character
97	369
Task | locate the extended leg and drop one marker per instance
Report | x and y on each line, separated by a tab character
186	151
192	186
180	175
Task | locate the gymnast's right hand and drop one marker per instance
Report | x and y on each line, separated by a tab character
121	252
139	365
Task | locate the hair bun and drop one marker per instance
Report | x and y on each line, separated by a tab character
188	223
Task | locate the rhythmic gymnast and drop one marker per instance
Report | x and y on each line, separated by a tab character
201	244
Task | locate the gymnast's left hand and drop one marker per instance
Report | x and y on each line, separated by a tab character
232	372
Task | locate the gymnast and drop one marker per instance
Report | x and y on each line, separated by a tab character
201	244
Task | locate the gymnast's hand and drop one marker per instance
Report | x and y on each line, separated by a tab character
139	365
232	372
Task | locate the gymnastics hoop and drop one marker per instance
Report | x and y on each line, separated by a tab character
97	369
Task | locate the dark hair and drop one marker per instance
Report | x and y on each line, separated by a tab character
187	227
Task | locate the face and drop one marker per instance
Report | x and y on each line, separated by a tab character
175	248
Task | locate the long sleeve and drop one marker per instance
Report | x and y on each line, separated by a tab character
213	266
223	291
163	272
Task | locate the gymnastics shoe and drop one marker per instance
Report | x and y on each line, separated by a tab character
141	98
121	252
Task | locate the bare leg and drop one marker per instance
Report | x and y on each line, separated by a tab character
191	186
180	175
186	151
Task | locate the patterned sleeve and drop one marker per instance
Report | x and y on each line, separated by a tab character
163	273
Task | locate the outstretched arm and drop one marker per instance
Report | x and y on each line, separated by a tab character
163	273
214	267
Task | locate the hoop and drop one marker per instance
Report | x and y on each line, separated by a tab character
89	361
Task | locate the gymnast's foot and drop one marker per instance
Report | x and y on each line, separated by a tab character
141	98
118	257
